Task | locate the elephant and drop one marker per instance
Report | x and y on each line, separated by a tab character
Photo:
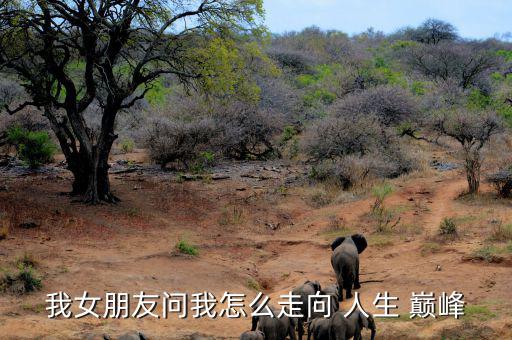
342	328
309	288
319	329
274	328
345	262
252	335
133	336
331	291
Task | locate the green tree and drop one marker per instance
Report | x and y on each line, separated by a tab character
72	54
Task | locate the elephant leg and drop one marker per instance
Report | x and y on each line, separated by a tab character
348	288
291	332
357	335
300	328
357	285
339	279
310	330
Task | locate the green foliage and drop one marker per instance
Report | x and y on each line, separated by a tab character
157	95
288	133
321	73
127	145
448	227
418	88
319	96
23	281
34	147
184	247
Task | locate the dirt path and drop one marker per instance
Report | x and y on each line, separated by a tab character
130	247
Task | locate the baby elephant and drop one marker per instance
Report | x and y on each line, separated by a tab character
319	329
345	262
252	335
274	328
342	328
309	288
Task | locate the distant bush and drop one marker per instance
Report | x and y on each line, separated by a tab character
23	281
34	147
392	105
127	145
170	141
352	150
247	133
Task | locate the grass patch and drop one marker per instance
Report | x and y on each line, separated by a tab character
380	240
478	311
253	284
27	260
233	215
23	281
488	253
319	198
430	248
184	247
501	232
37	308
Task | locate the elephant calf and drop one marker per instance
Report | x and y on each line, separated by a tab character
342	328
252	335
274	328
345	262
319	329
309	288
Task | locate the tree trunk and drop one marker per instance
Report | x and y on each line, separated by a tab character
473	172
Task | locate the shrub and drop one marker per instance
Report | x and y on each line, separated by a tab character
448	227
184	247
127	145
23	281
246	132
34	147
502	182
169	141
392	105
501	232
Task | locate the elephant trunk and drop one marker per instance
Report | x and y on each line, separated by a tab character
374	331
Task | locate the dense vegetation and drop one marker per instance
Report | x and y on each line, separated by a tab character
351	106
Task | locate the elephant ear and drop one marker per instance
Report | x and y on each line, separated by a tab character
363	321
337	242
360	242
316	286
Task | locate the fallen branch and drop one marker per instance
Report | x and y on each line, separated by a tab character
372	281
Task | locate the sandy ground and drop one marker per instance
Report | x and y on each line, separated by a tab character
130	248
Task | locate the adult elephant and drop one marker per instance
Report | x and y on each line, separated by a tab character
343	328
274	328
309	288
345	262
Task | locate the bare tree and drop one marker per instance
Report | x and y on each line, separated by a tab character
433	31
472	130
465	62
72	54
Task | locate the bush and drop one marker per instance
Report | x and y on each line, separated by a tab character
22	282
349	151
127	145
392	105
170	141
247	133
502	182
184	247
448	227
34	147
